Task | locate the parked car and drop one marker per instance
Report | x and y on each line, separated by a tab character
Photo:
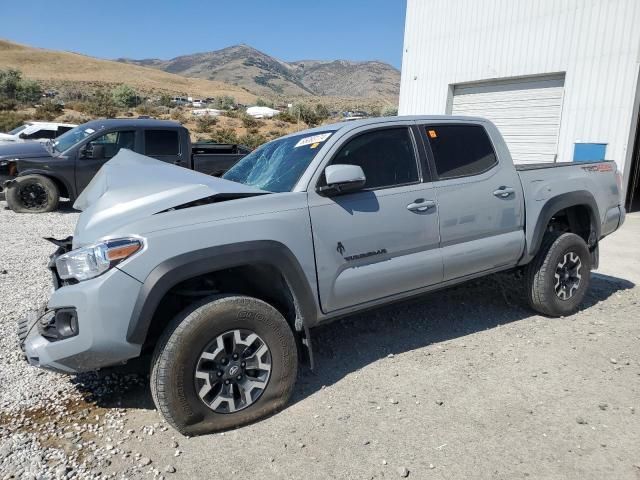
40	131
35	176
224	278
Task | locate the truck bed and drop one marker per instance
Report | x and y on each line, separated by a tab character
536	166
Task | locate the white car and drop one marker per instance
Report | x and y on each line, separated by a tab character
40	131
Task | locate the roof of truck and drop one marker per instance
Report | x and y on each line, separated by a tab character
124	122
353	124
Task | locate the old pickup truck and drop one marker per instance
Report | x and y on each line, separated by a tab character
223	279
34	176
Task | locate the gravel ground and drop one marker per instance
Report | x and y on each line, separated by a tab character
465	383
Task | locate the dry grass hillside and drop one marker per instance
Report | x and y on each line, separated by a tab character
55	68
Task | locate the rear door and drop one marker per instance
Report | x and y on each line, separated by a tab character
165	145
383	240
480	200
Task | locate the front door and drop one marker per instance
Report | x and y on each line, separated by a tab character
480	200
383	240
88	165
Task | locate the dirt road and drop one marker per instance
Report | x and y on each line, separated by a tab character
465	383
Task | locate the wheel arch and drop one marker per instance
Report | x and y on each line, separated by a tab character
64	187
578	207
255	261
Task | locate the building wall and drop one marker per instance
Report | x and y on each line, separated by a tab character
596	42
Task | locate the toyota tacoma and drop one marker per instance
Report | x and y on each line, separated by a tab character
223	279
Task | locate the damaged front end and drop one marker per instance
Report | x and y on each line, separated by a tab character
51	324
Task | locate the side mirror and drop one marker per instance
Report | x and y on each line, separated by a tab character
342	179
93	151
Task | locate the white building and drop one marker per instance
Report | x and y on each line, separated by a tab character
558	77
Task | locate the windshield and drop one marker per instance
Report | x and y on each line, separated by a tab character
277	166
17	130
70	138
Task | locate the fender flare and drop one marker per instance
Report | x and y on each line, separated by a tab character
49	174
560	202
208	260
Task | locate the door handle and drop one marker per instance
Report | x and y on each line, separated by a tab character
421	205
504	192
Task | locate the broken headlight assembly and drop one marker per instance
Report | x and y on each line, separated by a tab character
94	260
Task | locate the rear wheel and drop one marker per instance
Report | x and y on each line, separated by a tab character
33	194
558	277
222	363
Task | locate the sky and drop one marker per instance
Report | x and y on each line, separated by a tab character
287	29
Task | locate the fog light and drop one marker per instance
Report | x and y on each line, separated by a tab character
62	325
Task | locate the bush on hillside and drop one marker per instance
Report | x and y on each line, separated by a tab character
11	120
49	111
224	135
125	97
205	123
14	87
249	122
252	140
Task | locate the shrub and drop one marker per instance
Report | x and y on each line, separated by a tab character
148	110
262	102
14	87
124	96
11	120
224	135
224	102
100	105
74	118
49	110
29	92
390	111
288	116
249	122
205	123
8	104
252	140
10	83
165	100
177	114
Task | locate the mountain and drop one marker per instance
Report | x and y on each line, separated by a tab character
56	67
263	74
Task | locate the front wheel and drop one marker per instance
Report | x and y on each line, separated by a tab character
558	277
33	194
223	363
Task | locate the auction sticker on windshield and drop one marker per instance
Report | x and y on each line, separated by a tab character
89	130
312	139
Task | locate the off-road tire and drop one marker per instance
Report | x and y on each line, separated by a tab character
540	274
174	362
43	186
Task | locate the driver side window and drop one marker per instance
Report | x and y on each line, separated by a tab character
112	142
387	157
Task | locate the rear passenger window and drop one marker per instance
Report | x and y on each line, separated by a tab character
460	150
161	142
386	156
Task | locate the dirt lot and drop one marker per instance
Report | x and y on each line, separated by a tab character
465	383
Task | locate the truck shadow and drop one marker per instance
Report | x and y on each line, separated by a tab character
354	342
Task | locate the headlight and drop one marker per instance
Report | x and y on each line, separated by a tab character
89	262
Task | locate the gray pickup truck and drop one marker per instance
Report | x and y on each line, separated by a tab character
223	278
35	175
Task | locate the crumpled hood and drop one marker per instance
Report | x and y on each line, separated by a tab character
131	186
9	150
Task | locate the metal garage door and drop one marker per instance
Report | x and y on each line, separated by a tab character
526	110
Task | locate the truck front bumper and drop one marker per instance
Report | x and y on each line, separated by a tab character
92	320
